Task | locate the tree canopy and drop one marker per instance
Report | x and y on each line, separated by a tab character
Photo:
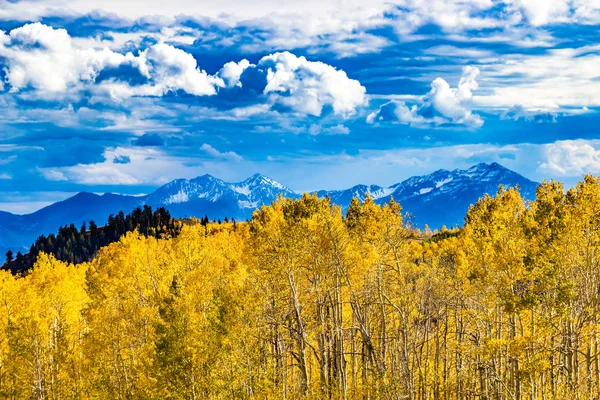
306	302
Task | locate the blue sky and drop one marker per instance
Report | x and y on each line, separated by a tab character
111	96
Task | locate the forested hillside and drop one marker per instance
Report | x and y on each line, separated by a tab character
304	302
75	245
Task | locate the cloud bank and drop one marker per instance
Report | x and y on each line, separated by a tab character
45	60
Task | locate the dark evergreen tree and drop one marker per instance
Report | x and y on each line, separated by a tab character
20	260
78	245
9	256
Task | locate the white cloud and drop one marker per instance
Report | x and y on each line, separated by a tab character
227	155
571	157
474	14
322	23
338	24
173	69
454	103
541	13
519	112
443	105
232	72
4	176
229	11
53	175
45	59
248	111
297	84
350	45
339	129
100	174
106	172
449	14
397	110
147	166
308	86
314	17
168	69
560	80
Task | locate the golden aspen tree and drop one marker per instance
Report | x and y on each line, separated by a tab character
306	302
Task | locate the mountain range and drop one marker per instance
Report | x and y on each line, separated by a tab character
441	198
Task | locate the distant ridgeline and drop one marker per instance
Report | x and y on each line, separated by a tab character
75	245
440	198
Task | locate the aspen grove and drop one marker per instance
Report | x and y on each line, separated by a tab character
305	301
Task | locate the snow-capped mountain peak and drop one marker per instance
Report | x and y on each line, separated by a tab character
261	181
249	193
443	196
440	198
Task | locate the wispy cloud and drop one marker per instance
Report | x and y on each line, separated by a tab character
227	155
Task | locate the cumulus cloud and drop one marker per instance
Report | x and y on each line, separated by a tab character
309	86
168	69
571	158
293	83
48	61
227	155
442	106
232	72
44	58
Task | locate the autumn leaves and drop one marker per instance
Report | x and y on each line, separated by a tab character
304	301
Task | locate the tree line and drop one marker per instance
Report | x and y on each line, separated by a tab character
304	301
77	245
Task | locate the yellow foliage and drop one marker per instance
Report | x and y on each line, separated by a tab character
304	302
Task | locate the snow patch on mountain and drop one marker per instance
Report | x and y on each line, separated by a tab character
245	190
443	182
179	197
248	204
381	192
